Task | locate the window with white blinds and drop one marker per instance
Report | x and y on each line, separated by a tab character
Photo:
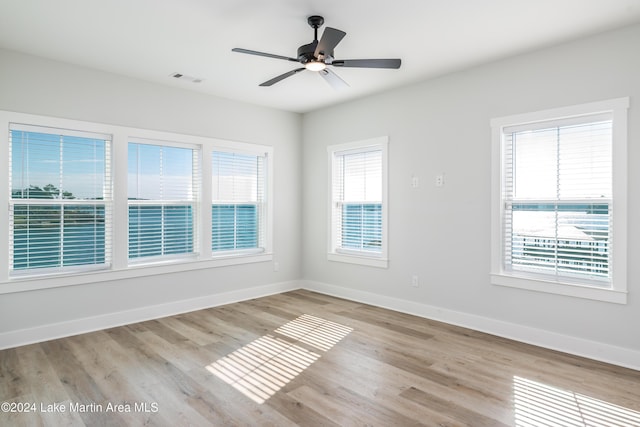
358	193
238	211
60	202
560	199
558	196
83	196
163	193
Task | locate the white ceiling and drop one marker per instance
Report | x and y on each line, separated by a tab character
151	39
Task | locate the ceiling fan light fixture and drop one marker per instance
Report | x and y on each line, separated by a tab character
315	66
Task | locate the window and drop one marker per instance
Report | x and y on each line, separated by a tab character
162	190
358	211
60	200
238	214
561	200
109	199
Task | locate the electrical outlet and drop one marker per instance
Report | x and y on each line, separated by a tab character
439	180
276	266
415	182
414	281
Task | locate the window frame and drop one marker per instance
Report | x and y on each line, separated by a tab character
616	292
120	267
366	258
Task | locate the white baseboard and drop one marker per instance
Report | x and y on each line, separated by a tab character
567	344
580	347
110	320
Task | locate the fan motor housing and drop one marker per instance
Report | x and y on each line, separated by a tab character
306	52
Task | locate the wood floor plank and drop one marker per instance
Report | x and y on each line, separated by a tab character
303	358
367	383
347	408
284	315
12	384
396	326
199	332
225	326
79	384
183	357
461	413
240	408
36	370
468	395
297	412
114	371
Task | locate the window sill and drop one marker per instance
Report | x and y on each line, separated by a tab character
31	283
559	288
359	259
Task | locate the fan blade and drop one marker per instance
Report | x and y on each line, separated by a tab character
368	63
334	80
268	55
330	39
281	77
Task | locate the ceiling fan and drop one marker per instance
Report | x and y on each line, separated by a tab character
317	55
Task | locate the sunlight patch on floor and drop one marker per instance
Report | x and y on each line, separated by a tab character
315	331
541	405
265	365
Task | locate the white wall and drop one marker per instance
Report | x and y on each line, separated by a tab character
38	86
442	234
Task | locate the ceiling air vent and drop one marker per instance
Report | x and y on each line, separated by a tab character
186	78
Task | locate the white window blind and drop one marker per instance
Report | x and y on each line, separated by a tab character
357	200
163	193
558	198
60	204
238	215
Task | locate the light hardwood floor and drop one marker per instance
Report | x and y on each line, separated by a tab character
302	358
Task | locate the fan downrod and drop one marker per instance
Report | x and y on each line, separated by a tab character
315	21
